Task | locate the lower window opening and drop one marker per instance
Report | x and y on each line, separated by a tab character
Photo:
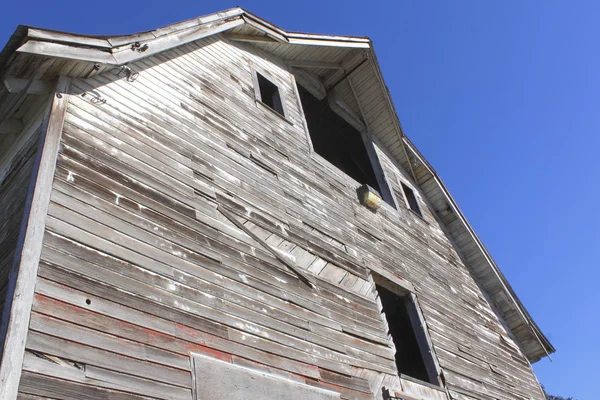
412	357
338	142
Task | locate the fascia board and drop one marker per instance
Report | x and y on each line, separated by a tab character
208	19
66	51
124	54
305	38
167	42
509	292
525	317
276	34
66	38
357	39
330	43
117	51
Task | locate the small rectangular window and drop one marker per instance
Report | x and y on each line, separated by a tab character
411	200
413	357
269	94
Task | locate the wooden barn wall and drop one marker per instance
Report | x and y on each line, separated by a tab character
145	261
17	156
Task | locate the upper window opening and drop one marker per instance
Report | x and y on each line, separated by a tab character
413	357
411	200
338	142
269	94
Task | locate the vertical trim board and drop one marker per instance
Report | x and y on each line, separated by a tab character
17	308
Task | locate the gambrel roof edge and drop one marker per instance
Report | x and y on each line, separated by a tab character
110	51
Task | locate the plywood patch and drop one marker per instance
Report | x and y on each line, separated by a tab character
216	379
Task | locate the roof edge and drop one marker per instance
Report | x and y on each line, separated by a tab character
547	347
118	50
536	332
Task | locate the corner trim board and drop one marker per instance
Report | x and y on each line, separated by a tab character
22	278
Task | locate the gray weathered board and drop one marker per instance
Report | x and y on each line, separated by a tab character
139	268
216	379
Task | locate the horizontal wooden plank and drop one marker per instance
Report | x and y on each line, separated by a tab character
133	229
188	336
81	353
47	387
101	378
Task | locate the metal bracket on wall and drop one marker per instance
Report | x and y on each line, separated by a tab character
129	74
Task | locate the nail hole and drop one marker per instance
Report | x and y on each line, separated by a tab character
88	301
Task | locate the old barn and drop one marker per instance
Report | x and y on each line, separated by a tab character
221	209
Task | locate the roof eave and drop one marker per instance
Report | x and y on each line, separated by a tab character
100	50
546	348
11	46
118	50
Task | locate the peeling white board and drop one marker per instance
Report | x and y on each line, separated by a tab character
216	379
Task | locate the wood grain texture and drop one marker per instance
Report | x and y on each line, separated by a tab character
217	379
13	193
20	289
138	265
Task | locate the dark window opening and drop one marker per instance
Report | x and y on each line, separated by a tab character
411	358
269	94
413	204
338	142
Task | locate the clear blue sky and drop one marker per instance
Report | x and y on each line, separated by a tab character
502	97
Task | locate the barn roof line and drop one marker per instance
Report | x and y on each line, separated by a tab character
117	49
120	50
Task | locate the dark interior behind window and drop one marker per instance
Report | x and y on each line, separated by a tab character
336	140
269	94
413	204
409	355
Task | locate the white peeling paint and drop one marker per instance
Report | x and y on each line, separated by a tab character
343	298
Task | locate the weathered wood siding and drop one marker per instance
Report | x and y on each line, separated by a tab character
17	156
139	267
